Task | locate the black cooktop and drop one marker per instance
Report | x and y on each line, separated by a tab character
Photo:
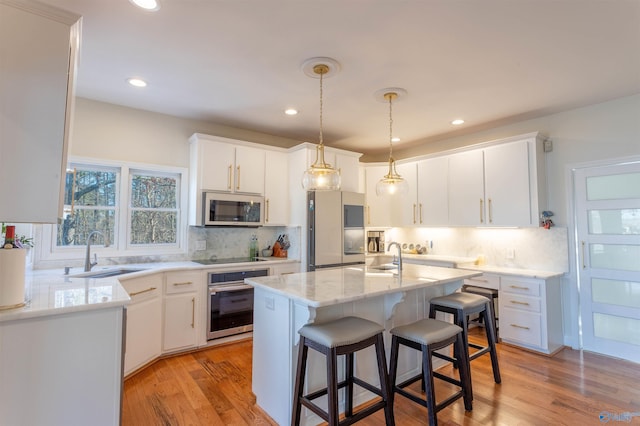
223	261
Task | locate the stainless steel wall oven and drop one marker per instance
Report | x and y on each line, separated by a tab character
230	304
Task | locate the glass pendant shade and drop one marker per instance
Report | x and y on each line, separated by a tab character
321	176
392	183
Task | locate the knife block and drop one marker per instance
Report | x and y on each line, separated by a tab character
278	251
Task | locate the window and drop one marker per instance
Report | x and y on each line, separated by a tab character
139	209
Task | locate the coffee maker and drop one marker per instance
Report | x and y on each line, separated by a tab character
375	242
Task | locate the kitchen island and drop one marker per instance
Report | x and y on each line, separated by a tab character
283	304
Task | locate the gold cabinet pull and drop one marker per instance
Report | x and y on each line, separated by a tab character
584	265
490	208
183	283
229	179
414	214
238	179
519	303
193	312
266	202
520	326
141	291
368	215
481	210
420	212
517	287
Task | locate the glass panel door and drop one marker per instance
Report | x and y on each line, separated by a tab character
608	225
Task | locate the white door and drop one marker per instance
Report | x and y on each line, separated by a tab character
608	225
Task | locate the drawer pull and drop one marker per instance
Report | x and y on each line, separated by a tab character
519	303
519	326
141	291
193	312
183	283
479	280
517	287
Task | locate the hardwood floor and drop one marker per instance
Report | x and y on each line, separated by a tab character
213	387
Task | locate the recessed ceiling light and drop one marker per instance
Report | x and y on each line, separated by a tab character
291	111
395	139
137	82
151	5
457	122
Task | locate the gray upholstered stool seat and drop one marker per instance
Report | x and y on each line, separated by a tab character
490	293
428	335
344	336
461	305
344	331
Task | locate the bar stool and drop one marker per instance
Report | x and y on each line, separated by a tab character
461	305
428	335
343	336
491	294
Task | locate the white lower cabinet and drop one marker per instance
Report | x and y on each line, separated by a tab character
181	310
144	321
531	313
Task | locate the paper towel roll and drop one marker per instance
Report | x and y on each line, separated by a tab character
12	266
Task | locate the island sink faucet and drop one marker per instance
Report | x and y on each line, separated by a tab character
88	264
399	255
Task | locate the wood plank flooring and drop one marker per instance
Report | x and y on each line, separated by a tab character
213	387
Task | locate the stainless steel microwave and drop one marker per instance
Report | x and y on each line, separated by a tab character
224	209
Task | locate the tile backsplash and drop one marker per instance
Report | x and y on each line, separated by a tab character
529	248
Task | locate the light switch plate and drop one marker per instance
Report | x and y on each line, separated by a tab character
201	245
511	253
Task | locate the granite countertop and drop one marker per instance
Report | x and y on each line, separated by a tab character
327	287
50	292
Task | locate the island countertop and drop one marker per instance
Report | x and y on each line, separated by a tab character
326	287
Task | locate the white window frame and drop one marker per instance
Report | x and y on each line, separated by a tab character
120	247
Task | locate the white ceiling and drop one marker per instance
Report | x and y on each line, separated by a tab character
238	62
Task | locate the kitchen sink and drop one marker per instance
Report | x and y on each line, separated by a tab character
384	267
106	273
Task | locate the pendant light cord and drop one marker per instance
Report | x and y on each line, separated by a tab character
321	75
390	127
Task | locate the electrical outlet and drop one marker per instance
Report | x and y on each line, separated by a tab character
201	245
270	303
511	253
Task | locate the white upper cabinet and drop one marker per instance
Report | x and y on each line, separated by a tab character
276	189
249	170
377	209
349	167
38	46
433	192
501	184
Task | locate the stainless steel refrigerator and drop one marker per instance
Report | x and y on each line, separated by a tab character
336	229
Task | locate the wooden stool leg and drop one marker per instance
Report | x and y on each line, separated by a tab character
348	408
299	386
332	387
427	377
464	370
393	367
384	381
491	341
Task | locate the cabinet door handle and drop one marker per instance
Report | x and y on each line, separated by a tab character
517	287
481	210
490	208
479	280
238	179
229	179
141	291
193	312
584	265
368	215
420	212
414	214
519	303
266	202
183	283
519	326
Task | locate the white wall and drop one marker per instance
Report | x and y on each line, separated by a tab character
113	132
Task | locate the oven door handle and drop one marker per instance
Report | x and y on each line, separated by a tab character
227	288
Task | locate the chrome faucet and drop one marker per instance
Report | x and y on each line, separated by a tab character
399	255
88	264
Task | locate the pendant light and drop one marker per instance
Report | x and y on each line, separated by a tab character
320	176
392	183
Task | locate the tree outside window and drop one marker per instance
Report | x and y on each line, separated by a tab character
154	208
